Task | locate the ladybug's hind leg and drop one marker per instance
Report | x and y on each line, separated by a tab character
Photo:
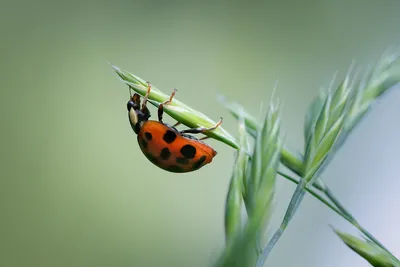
146	97
202	129
161	106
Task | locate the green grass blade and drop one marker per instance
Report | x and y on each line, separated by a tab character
287	158
347	107
375	83
238	112
269	148
322	136
177	110
374	254
264	163
291	210
259	192
312	113
264	166
234	201
327	129
233	206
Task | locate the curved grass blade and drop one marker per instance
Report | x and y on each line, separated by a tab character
374	254
326	130
287	158
236	192
259	189
374	83
261	185
176	109
312	113
238	112
322	137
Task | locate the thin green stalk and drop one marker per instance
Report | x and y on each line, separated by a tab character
294	204
287	158
350	218
176	109
329	121
338	208
313	193
292	162
295	164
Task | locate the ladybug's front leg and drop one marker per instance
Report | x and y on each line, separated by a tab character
202	129
161	106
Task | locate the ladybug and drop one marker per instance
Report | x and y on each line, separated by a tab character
165	146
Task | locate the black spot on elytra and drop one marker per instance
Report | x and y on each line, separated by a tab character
169	136
165	153
175	168
182	160
148	136
143	143
200	162
188	151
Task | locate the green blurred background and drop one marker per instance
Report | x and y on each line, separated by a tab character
75	190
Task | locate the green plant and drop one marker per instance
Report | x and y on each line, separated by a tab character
329	121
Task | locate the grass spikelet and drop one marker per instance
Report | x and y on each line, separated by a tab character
238	112
329	120
264	164
312	113
326	129
374	254
259	188
237	190
176	109
293	162
373	84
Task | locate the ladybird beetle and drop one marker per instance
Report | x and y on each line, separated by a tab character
165	146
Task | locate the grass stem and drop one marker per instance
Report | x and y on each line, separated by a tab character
338	208
347	215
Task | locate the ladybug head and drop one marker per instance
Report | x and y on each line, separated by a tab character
136	115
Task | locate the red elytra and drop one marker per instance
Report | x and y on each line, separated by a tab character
165	146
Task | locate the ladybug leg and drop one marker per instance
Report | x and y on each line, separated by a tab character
161	106
130	90
202	129
205	137
176	124
146	96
